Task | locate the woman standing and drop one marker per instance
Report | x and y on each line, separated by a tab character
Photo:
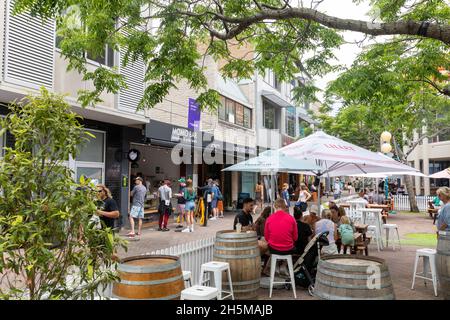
259	195
303	197
189	195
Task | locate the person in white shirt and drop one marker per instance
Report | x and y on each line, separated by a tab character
337	189
165	206
362	197
326	224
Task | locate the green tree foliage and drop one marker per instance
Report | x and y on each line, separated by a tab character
172	37
45	229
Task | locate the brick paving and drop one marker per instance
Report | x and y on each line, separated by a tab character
400	262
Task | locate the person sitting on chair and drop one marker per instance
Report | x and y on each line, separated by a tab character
245	216
304	231
281	231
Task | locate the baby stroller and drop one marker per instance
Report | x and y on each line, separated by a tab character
305	268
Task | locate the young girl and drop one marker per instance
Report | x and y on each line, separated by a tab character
346	232
189	195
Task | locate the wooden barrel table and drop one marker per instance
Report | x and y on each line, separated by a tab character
341	277
443	263
149	277
241	251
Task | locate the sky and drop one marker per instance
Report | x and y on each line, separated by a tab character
348	52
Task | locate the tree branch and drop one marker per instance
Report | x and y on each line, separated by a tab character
434	30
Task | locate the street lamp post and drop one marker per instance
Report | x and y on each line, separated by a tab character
386	147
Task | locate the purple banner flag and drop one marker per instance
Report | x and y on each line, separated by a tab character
194	115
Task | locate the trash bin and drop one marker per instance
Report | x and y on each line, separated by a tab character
241	197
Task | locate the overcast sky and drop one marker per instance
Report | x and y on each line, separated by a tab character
348	52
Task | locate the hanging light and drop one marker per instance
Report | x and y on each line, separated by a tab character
386	136
386	147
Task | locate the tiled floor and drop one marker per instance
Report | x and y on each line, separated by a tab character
400	262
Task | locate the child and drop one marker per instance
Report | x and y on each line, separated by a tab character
346	232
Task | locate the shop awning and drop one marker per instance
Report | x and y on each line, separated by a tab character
307	118
275	99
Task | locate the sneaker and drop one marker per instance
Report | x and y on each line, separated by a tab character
165	229
186	230
159	229
221	216
212	219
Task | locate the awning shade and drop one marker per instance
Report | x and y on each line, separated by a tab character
272	161
340	158
275	99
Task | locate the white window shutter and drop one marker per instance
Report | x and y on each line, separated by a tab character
29	50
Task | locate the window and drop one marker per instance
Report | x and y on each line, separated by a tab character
247	117
235	113
230	110
90	161
276	82
92	151
222	109
106	58
269	116
290	122
436	166
239	114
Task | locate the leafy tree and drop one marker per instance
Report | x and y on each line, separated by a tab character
392	86
172	37
45	229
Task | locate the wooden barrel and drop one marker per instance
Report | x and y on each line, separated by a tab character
443	263
149	277
341	277
241	251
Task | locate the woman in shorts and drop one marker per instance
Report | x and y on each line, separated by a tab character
189	207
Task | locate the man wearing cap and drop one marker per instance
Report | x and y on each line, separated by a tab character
137	206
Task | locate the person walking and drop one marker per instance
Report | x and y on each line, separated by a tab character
337	189
219	199
215	193
189	195
165	206
138	193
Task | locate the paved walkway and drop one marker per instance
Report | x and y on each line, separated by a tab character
400	262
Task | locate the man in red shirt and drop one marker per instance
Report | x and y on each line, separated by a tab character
281	231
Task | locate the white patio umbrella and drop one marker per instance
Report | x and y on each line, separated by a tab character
340	158
444	174
271	162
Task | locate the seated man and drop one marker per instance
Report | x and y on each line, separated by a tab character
281	230
304	231
245	216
